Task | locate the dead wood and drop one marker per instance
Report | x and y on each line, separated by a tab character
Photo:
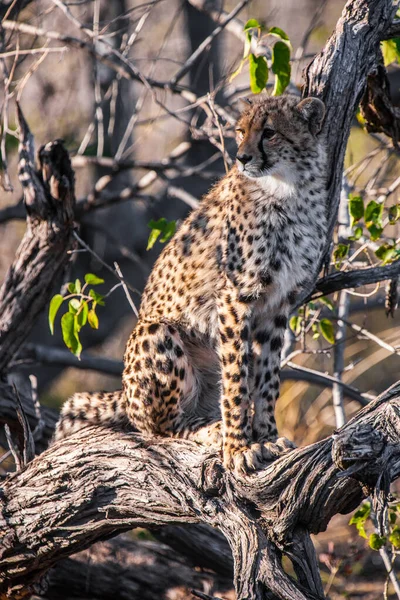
126	568
101	482
338	75
49	200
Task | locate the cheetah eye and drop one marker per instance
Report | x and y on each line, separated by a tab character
240	133
268	134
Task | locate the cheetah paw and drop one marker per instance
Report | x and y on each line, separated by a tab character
273	450
254	457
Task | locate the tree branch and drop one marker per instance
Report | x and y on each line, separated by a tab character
98	482
43	252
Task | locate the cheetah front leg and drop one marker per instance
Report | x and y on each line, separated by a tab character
268	341
236	355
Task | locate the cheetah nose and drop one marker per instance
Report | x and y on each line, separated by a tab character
244	158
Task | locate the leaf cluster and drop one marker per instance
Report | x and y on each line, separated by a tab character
82	304
260	66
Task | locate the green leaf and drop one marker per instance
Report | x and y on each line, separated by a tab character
169	231
394	537
357	233
391	51
356	208
340	252
394	213
74	305
373	213
93	319
295	324
281	67
376	542
71	288
374	231
162	226
98	298
69	328
252	24
327	330
55	304
386	252
153	238
315	331
258	73
393	518
327	302
359	518
279	32
82	315
78	286
92	279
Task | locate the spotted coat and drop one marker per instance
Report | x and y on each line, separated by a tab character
214	311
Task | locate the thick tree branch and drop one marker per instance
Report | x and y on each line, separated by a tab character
42	254
338	75
99	482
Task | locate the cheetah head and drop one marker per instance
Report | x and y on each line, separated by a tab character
278	136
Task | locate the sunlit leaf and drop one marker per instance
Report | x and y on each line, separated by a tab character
394	213
376	542
92	279
340	252
327	330
281	67
74	305
82	315
252	24
78	286
327	301
391	51
359	518
279	32
356	208
69	328
93	319
55	304
295	324
394	537
258	73
99	299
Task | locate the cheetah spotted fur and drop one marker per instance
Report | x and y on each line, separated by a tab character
208	340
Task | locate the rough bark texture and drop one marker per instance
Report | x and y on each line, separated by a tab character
338	75
125	568
100	482
50	200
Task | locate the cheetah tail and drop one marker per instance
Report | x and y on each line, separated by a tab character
107	409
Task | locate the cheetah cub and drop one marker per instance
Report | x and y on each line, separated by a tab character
214	311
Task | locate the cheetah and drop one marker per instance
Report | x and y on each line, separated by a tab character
207	344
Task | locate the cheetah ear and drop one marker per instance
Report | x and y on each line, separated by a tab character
244	102
313	111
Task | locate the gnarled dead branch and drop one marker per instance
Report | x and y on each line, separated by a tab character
99	482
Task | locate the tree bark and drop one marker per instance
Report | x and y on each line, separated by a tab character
125	568
50	201
338	76
100	482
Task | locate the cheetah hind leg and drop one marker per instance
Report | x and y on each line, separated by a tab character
159	381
